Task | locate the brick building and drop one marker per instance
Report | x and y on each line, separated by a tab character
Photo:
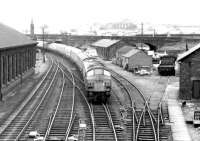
121	52
134	59
189	63
17	55
106	48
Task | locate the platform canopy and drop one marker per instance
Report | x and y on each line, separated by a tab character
10	38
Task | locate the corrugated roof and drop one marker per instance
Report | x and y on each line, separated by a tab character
190	51
10	37
131	53
125	49
105	43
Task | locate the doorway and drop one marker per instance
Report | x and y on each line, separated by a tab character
196	89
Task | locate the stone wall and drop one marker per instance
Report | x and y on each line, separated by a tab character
185	82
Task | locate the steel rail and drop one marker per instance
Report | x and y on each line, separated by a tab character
36	109
90	108
29	98
160	113
57	106
73	104
110	120
142	116
141	93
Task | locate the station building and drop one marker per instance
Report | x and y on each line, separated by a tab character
189	63
106	48
17	55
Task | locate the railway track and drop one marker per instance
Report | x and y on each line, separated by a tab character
103	135
131	117
81	103
146	124
140	118
146	127
104	126
61	119
22	117
92	130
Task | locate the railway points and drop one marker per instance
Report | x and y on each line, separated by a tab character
171	94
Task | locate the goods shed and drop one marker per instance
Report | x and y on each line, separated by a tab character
121	52
17	55
106	48
189	63
135	59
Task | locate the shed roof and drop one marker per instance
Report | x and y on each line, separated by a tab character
181	46
131	53
11	38
105	43
125	49
187	53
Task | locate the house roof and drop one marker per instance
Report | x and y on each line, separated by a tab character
131	53
11	38
125	49
187	53
105	43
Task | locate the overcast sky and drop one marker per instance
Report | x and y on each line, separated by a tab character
64	14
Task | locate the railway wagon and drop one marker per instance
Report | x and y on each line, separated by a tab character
167	65
96	78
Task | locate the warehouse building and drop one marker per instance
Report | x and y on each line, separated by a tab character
189	63
121	52
17	55
134	59
106	48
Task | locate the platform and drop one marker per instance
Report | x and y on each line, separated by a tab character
178	125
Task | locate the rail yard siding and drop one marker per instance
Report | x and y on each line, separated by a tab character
189	72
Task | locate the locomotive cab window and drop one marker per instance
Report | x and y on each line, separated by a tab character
98	71
90	73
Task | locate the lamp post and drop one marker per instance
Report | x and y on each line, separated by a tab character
43	39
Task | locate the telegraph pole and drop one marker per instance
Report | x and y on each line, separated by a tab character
1	95
154	32
43	39
142	32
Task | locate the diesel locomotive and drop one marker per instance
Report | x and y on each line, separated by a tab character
96	78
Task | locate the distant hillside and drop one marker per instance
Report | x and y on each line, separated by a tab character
119	26
149	28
